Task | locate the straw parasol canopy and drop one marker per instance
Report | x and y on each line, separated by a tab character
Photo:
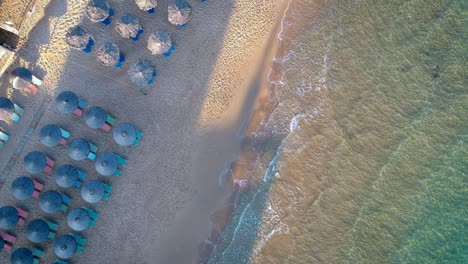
179	12
50	135
37	231
20	78
95	117
141	73
108	54
128	26
146	5
159	43
125	134
50	202
22	188
67	102
22	256
66	175
98	10
106	163
65	246
78	219
78	149
35	162
93	191
9	217
78	37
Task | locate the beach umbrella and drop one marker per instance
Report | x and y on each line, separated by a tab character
37	231
66	175
78	149
128	26
108	54
65	246
22	256
125	134
67	102
9	217
35	162
22	188
93	191
159	43
2	243
146	5
78	37
178	12
78	219
50	135
142	72
106	163
50	202
98	10
95	117
6	108
20	78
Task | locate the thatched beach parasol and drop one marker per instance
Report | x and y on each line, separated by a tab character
178	12
128	26
108	54
146	5
142	73
98	10
78	37
159	43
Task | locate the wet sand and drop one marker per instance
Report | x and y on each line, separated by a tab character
193	120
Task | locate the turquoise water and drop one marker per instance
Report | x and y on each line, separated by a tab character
368	142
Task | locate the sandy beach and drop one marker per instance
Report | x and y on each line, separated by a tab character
194	119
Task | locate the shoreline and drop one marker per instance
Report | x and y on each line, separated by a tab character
239	172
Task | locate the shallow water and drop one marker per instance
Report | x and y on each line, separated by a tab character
366	160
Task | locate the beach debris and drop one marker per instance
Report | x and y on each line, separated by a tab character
142	73
126	134
23	79
95	191
160	43
128	26
99	11
147	5
68	102
9	111
78	37
108	54
179	12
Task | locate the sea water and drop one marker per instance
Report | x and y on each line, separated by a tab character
366	159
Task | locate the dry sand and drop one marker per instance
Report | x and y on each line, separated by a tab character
193	119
